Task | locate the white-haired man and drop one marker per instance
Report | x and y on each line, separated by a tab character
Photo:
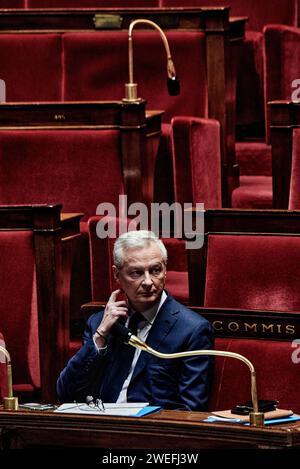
115	372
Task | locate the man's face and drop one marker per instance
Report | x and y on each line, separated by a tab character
142	276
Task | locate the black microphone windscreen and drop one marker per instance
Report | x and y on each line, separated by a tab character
173	85
121	332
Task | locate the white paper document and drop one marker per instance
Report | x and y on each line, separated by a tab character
134	409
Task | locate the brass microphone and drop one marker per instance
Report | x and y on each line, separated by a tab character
173	83
10	402
256	417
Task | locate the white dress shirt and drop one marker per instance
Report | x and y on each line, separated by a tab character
142	332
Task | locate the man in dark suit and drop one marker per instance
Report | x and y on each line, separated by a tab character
115	372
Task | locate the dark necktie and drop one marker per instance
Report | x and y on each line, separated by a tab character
134	321
121	365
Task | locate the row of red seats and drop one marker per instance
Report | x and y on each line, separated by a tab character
76	73
84	61
250	111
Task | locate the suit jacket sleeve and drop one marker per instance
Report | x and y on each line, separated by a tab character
81	376
196	372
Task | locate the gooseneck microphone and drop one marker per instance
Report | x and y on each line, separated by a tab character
173	83
125	335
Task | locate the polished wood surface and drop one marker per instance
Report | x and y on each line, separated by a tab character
82	19
163	430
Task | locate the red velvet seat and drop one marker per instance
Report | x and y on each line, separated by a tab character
30	73
78	168
20	322
245	253
35	291
264	272
196	161
277	376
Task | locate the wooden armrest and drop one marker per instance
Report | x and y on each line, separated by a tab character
70	223
92	307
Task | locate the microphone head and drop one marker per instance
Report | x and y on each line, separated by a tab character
173	85
121	332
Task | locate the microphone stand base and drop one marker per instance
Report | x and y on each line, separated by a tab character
256	419
10	403
131	93
137	100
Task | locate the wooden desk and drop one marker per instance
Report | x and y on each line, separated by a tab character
165	430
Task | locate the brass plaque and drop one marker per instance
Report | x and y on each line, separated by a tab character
107	21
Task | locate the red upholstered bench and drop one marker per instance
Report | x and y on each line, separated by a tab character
36	262
88	61
264	271
79	168
269	339
249	260
196	161
277	376
31	66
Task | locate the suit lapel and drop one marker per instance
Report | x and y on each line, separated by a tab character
164	322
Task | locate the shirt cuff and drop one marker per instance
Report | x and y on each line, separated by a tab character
100	350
